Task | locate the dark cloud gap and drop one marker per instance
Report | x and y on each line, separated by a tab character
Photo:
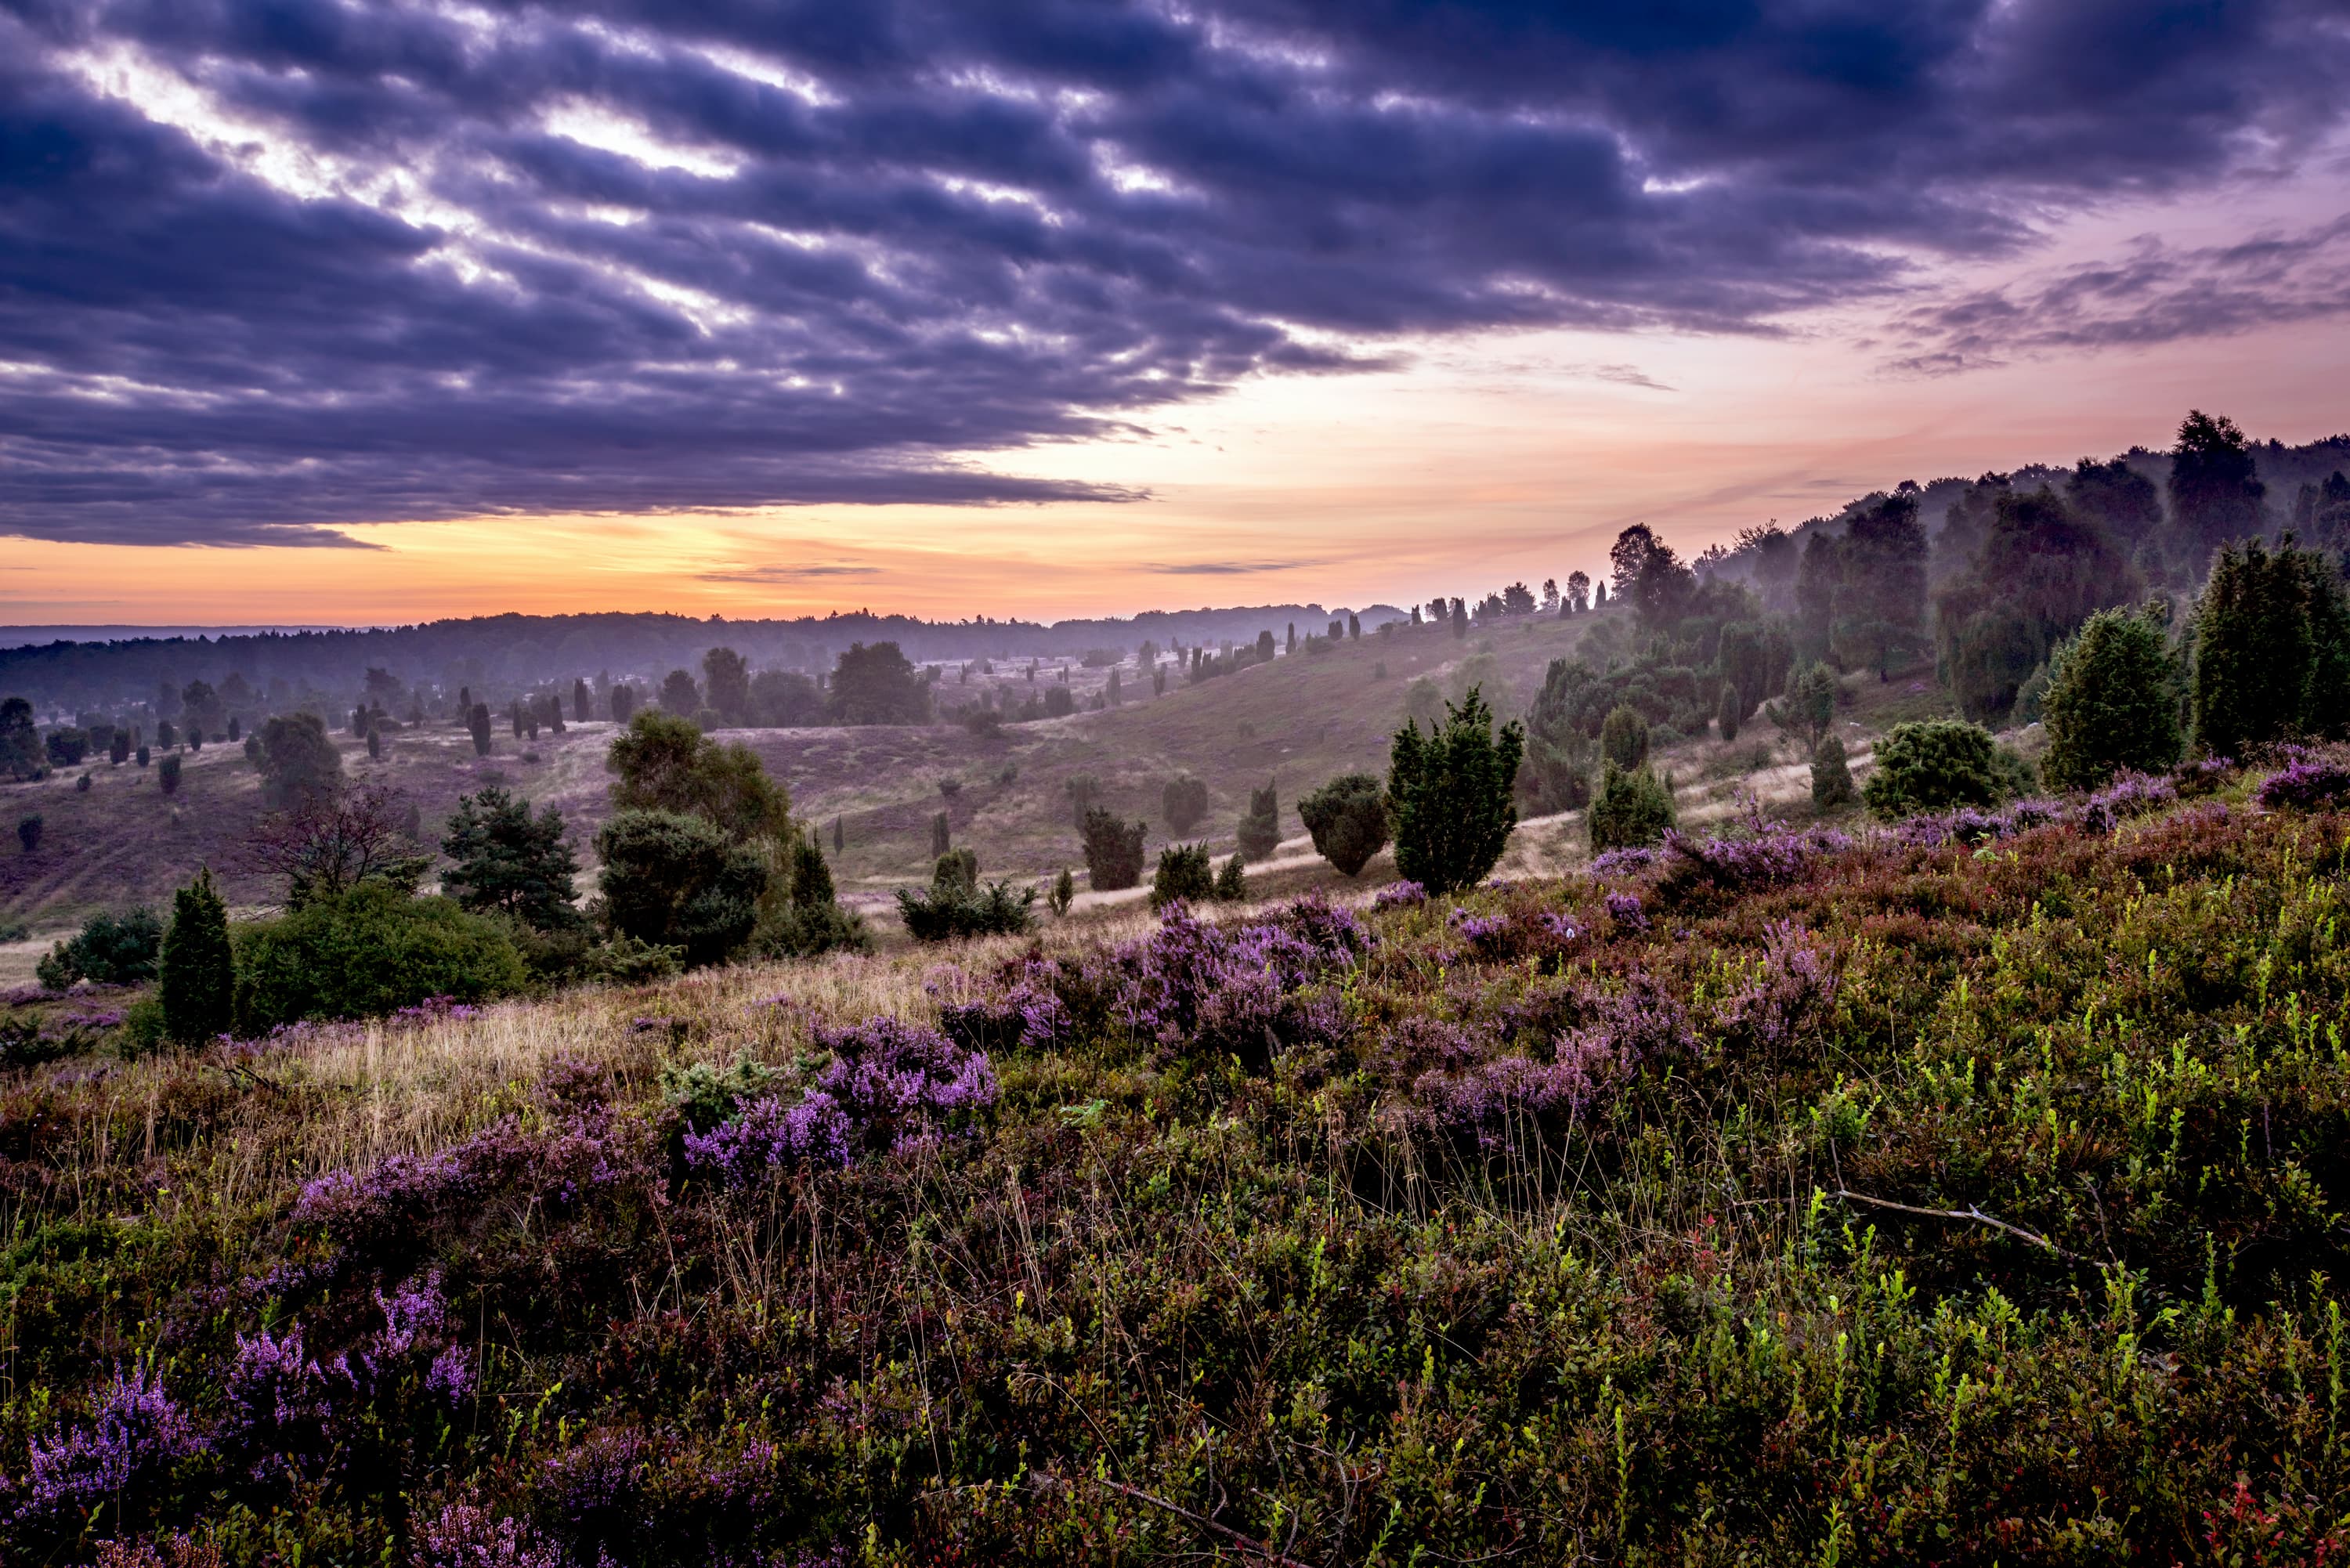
997	224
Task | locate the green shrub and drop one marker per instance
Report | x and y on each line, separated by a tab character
167	774
1064	894
950	909
297	761
1113	850
956	868
1232	882
1451	795
1727	713
808	920
109	949
1184	874
29	831
2112	703
1933	765
1633	810
1260	829
1831	776
675	880
196	966
1183	801
624	961
942	835
368	952
1624	738
1809	711
1348	820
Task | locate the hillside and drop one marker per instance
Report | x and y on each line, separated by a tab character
1965	1193
1297	721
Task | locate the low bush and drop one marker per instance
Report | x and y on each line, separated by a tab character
950	908
109	949
1184	873
366	953
1933	765
1633	810
1113	850
1347	818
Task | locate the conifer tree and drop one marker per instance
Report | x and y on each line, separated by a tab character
941	836
1451	795
1831	776
1260	830
2111	702
196	970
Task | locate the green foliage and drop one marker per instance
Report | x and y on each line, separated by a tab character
956	868
666	764
674	881
808	918
1260	826
1184	800
2039	571
1064	894
298	762
29	828
509	861
167	774
1880	596
20	740
1831	776
1232	882
622	960
942	835
1633	810
477	720
1624	738
1348	820
2272	650
1808	712
1083	790
2113	702
1450	794
2215	492
196	966
1727	715
109	949
726	683
704	1094
1933	765
66	746
368	952
878	685
950	909
1184	874
1113	850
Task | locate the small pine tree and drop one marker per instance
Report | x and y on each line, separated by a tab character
1354	626
168	774
196	969
1633	810
941	836
374	744
839	838
1831	776
1451	795
477	720
1183	801
144	756
2112	701
1184	874
1459	618
1113	850
1064	894
1726	715
1232	882
1260	831
1348	819
81	786
28	832
1931	764
1624	738
956	868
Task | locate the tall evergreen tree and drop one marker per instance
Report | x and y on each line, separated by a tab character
2254	651
1260	830
1881	608
508	860
196	968
1451	795
726	683
2215	494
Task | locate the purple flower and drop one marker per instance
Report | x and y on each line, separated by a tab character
2310	784
137	1432
1400	895
889	1085
466	1536
452	1374
1769	858
1781	992
1627	910
1487	934
1616	863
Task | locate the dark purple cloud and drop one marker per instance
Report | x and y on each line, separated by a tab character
907	230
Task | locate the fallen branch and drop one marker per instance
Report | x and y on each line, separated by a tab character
1225	1531
1969	1213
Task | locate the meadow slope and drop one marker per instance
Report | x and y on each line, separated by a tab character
1967	1191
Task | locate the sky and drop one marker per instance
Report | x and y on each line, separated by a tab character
366	312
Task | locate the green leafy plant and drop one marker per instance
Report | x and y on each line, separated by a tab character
1347	818
1451	796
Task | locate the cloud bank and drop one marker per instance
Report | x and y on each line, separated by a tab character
270	270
